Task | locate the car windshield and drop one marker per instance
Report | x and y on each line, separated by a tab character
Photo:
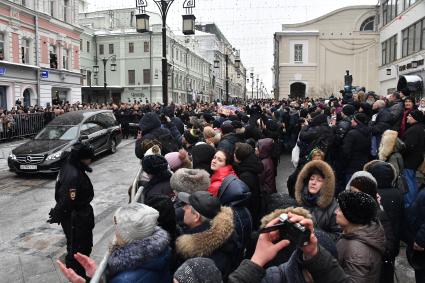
58	133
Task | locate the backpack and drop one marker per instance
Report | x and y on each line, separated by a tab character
233	191
168	144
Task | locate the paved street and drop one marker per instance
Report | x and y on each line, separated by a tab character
28	245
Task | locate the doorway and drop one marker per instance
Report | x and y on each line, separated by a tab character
297	90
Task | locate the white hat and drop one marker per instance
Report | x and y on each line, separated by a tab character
135	221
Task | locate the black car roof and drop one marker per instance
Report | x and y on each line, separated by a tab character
75	117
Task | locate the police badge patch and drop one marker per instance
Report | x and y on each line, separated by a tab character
72	194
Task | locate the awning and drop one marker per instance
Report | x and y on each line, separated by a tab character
412	82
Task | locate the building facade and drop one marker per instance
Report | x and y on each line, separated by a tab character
112	36
402	50
310	58
39	52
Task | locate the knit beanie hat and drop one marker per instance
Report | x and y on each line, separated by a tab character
348	110
177	160
243	150
417	115
357	207
198	270
361	118
191	136
190	180
135	221
202	156
154	164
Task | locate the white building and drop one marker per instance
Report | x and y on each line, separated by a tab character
112	35
39	52
402	37
310	58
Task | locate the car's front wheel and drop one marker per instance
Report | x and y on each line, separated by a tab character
113	145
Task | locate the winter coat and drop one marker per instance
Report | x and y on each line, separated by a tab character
414	139
396	110
356	148
382	122
415	224
268	176
228	142
391	197
248	171
158	185
390	150
146	260
216	240
218	177
324	268
323	209
360	253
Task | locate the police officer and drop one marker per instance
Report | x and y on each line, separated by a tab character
73	194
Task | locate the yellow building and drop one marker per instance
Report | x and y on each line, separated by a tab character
310	58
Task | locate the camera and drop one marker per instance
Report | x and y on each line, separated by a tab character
296	233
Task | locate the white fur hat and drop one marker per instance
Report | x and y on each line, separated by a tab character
135	221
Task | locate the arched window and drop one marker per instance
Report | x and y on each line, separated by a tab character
368	24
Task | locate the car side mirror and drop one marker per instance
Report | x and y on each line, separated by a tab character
84	137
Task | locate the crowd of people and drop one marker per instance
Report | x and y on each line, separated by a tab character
210	209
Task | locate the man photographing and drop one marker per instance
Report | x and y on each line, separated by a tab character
73	194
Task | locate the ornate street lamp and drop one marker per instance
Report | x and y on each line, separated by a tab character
142	23
96	69
388	72
216	63
189	24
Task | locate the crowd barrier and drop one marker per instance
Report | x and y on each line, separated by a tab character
22	125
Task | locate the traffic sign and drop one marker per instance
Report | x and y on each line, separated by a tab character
2	71
44	74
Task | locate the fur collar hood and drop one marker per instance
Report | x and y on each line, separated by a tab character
203	244
138	253
295	210
390	143
328	188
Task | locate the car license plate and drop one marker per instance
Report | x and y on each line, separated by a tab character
28	167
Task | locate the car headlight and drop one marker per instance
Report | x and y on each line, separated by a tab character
12	156
55	155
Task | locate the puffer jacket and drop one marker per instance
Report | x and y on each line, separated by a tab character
146	260
360	253
268	175
248	171
381	123
356	148
323	209
396	109
218	177
390	150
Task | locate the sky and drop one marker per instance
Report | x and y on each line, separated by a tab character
249	25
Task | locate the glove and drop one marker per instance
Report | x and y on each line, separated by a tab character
54	216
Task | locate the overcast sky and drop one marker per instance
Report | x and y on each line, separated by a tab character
249	25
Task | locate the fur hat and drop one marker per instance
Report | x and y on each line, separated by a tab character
364	182
146	146
154	164
190	180
178	160
135	221
357	207
243	150
198	270
417	115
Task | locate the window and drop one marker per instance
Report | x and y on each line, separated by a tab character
2	46
25	51
147	76
101	49
111	49
88	46
146	46
368	24
65	59
52	7
413	38
131	77
389	50
298	52
66	8
130	47
53	57
81	44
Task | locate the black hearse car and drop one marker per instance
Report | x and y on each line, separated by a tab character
46	152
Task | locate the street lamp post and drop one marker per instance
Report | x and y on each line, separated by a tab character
113	58
188	28
258	80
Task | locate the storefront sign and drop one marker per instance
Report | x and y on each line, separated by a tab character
44	74
2	71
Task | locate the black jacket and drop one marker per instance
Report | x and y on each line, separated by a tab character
158	185
414	139
228	142
356	148
248	171
382	122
